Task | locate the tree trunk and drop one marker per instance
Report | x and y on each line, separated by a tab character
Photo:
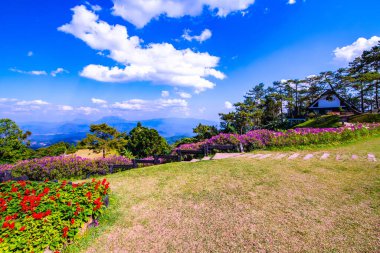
377	95
362	97
104	152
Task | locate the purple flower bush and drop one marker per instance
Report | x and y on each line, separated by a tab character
63	167
295	137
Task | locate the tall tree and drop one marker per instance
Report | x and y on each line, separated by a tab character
204	131
371	58
104	138
144	142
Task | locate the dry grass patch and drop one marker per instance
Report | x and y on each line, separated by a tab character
247	205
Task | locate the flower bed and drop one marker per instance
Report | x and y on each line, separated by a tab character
63	167
36	216
294	137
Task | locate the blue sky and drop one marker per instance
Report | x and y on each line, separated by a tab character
64	60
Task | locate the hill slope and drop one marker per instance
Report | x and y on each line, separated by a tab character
245	205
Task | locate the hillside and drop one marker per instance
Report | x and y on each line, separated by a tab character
322	122
246	205
45	134
336	121
365	118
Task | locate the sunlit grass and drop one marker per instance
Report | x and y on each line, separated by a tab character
246	205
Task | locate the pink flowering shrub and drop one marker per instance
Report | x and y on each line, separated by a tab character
294	137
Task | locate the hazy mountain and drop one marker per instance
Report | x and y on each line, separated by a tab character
45	134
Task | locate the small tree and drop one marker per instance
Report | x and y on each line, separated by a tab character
13	142
204	131
144	142
104	138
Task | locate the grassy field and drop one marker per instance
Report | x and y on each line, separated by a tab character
245	205
322	122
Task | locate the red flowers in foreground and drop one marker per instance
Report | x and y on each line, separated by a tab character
38	209
65	230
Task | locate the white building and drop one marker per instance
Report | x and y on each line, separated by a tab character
330	102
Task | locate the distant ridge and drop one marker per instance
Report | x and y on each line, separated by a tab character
48	133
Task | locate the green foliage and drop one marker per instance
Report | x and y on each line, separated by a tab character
104	138
36	216
205	132
13	142
144	142
186	140
322	122
269	107
365	118
57	149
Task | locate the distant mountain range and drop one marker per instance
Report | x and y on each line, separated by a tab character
47	133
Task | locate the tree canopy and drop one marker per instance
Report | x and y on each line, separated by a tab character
270	106
104	138
13	142
144	142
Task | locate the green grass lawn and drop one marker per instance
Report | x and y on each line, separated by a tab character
322	122
363	118
245	205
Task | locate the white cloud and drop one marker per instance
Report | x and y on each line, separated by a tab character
350	52
291	1
94	7
140	12
58	71
165	93
87	110
30	53
160	63
65	108
32	102
184	94
202	110
228	105
98	101
33	72
150	105
205	35
7	100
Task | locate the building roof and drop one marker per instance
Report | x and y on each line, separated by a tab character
342	100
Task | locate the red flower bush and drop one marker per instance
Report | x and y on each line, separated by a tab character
31	213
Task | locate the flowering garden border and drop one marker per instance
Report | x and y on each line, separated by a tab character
36	216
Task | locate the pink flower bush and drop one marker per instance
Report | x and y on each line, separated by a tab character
293	137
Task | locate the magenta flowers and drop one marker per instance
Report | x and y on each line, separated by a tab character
293	137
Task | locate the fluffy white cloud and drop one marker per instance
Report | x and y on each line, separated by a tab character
150	105
205	35
33	72
30	53
291	1
54	73
87	110
228	105
98	101
140	12
165	93
184	94
160	63
65	108
350	52
32	102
